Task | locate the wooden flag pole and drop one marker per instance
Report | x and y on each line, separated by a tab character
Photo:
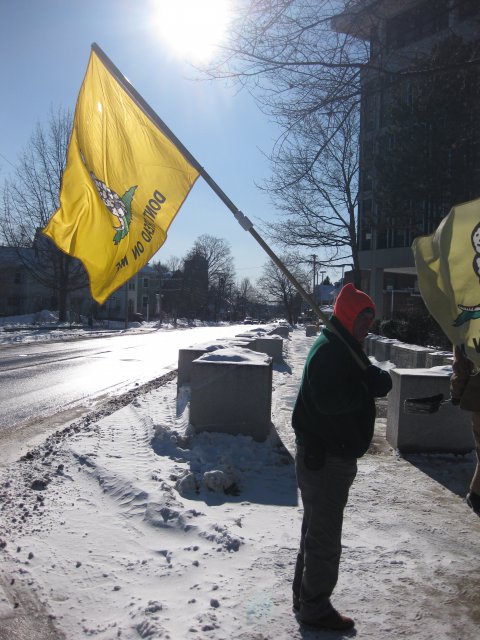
240	217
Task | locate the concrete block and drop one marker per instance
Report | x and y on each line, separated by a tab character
438	359
281	330
257	343
240	341
311	330
447	430
231	392
185	358
381	348
408	356
369	343
271	345
187	355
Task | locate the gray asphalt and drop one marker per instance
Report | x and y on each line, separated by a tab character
27	618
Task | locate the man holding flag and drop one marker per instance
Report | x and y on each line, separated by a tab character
448	267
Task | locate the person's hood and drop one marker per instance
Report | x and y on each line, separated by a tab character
349	303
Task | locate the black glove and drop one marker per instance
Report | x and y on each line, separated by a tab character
378	381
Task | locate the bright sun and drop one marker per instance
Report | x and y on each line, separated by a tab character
191	29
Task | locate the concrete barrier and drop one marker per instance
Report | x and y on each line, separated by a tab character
187	355
369	343
281	330
311	330
447	430
381	348
231	392
270	345
438	359
185	358
251	335
408	356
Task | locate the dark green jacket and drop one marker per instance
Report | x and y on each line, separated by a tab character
334	411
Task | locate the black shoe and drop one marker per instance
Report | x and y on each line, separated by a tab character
333	620
296	603
473	501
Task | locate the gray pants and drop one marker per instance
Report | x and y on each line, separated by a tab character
475	483
324	494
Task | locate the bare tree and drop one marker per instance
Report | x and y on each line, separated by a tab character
300	57
245	297
217	255
173	264
287	53
317	198
306	63
306	76
277	288
29	199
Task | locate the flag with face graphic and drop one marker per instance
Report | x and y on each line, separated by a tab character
448	267
123	184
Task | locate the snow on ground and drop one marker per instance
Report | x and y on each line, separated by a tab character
44	327
122	526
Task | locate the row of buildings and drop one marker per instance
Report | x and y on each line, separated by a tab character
21	293
152	293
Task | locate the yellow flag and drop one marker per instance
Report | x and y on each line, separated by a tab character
123	184
448	267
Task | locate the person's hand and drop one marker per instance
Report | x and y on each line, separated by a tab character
378	381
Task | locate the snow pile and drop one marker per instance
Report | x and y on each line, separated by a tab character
43	326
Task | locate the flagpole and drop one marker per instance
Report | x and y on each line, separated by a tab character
240	217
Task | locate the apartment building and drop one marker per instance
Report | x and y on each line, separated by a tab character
399	34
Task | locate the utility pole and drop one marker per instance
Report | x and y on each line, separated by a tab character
314	258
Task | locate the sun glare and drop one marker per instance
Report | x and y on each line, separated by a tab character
191	29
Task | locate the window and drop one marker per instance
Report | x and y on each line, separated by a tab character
115	303
145	283
367	165
365	240
369	107
131	285
382	239
421	21
365	222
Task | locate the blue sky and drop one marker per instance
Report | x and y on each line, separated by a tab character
44	50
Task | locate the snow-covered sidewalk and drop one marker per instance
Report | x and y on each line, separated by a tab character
117	528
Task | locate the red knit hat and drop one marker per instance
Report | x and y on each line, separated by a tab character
349	303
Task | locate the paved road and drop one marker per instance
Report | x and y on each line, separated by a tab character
44	386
